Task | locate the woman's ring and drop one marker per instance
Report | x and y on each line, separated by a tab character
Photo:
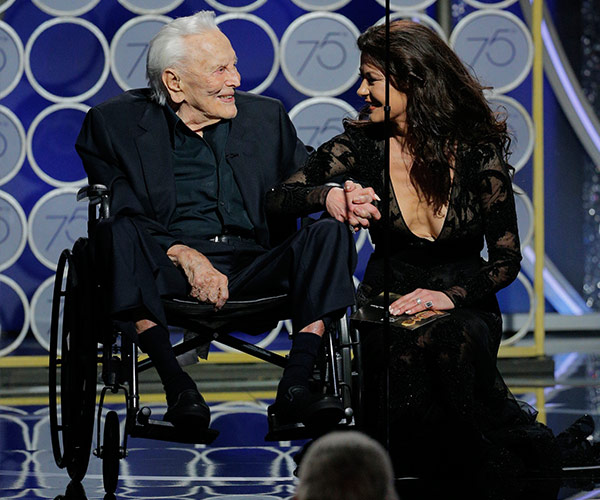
418	300
429	304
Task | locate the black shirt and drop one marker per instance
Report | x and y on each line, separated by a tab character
209	201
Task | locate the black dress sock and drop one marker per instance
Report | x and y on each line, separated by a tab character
156	343
301	361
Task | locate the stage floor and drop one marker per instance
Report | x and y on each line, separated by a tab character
239	464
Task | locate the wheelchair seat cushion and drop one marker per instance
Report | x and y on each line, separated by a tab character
250	315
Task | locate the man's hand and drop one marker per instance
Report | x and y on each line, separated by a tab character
353	204
420	300
208	284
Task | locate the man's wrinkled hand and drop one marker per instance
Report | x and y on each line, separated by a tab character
207	283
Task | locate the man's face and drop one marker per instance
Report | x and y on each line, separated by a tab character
208	80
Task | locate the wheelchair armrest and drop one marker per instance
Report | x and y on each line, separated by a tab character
96	194
93	193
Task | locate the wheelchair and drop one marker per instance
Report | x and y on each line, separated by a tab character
89	352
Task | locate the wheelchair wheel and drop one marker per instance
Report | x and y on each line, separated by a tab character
73	361
111	453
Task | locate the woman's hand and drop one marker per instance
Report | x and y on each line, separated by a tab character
208	284
353	204
420	300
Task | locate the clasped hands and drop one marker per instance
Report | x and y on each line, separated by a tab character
207	283
353	204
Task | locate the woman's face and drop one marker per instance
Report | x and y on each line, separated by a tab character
372	90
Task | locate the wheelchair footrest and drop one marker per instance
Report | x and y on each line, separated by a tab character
148	428
592	470
296	431
288	432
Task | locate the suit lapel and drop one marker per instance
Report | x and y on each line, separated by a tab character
154	150
245	171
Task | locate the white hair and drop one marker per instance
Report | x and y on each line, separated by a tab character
346	465
167	48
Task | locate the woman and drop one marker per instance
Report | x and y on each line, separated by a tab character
451	190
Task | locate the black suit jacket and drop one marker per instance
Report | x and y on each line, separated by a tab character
124	144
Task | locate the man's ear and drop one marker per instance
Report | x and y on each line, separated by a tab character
172	83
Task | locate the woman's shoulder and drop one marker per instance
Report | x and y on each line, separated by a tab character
363	130
483	157
354	138
362	138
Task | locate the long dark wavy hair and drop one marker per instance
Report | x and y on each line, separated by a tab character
446	111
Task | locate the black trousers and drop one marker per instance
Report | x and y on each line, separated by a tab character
314	267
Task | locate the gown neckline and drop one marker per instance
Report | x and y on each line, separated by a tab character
408	229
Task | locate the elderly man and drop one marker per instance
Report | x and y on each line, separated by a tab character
188	163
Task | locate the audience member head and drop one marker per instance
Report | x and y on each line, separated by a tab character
346	465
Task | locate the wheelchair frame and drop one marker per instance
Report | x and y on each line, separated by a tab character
87	339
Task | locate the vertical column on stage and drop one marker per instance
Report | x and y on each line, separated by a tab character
538	174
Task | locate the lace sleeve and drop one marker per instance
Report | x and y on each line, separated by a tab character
499	219
305	191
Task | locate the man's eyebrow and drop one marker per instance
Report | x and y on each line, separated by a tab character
224	64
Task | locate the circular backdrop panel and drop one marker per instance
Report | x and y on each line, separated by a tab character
491	4
55	222
53	132
129	48
6	5
407	4
418	17
235	5
525	220
521	293
257	73
66	7
321	4
11	59
41	312
14	315
150	6
319	54
496	46
13	234
60	70
319	119
520	126
12	145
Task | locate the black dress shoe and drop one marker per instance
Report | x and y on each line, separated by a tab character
298	404
189	409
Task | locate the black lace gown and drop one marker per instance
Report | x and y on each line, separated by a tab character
449	410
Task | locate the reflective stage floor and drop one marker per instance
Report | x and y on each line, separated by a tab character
240	464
